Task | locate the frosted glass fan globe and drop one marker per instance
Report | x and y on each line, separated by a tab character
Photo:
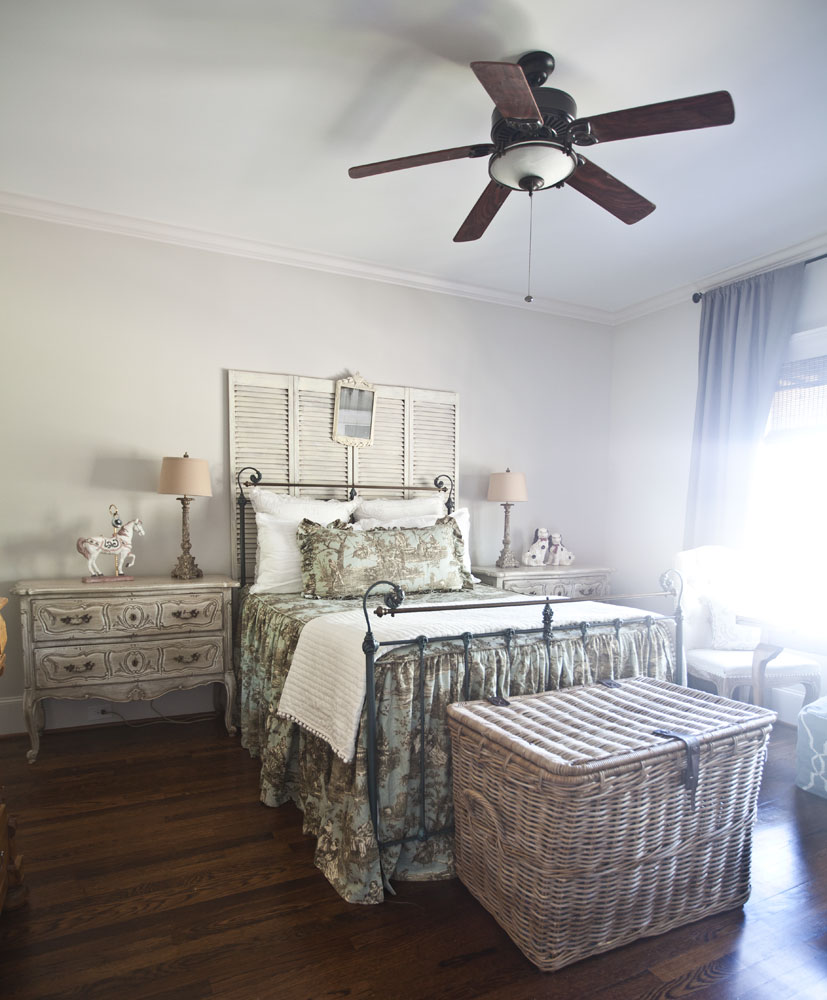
545	161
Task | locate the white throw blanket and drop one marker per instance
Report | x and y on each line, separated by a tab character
325	687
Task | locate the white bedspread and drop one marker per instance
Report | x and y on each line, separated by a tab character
325	687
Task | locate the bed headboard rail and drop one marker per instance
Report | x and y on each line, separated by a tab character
282	427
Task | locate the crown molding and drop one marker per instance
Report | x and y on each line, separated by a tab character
196	239
746	269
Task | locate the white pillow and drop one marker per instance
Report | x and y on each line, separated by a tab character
278	559
391	510
461	516
726	632
288	507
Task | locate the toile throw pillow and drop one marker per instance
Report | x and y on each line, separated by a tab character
340	562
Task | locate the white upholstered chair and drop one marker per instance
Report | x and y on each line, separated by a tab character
718	650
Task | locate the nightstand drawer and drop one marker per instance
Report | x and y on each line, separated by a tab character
590	586
548	581
536	588
119	661
69	618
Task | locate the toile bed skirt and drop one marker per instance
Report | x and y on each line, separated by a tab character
299	767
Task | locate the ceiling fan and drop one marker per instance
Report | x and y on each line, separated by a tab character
533	130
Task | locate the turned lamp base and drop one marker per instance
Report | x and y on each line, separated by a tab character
186	568
507	559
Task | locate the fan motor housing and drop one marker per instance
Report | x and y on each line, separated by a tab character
557	108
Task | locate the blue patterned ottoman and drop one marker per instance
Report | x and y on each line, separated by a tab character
811	771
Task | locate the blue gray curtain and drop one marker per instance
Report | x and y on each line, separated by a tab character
745	330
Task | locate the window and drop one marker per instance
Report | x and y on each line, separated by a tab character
788	517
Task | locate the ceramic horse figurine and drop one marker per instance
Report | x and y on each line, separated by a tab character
120	545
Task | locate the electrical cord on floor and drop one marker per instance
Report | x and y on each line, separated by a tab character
191	721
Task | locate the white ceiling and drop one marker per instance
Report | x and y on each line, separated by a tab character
233	122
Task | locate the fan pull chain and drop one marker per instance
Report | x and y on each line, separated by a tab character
529	297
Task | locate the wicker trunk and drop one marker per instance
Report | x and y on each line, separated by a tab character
579	828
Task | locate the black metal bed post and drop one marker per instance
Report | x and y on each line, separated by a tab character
466	662
242	501
672	583
421	642
548	616
370	647
440	485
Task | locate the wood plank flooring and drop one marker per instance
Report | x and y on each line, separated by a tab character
154	872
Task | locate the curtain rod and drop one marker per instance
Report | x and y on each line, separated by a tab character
697	296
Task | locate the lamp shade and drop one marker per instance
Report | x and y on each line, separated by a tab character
507	487
189	477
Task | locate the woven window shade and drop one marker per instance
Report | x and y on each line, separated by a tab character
800	401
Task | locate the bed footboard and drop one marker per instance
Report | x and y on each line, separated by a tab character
557	672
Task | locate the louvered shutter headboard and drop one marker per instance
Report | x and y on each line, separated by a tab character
282	425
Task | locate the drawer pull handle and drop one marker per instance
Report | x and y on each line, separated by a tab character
187	659
84	667
192	613
76	619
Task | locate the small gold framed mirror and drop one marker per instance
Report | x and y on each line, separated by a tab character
354	412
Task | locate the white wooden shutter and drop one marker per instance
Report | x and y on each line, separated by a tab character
384	463
319	459
282	425
259	409
434	431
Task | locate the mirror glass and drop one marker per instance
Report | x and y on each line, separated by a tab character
354	412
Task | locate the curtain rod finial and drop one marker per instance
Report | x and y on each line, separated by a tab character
697	296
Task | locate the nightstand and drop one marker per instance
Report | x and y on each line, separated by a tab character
552	581
130	641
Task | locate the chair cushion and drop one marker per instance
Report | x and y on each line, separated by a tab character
712	664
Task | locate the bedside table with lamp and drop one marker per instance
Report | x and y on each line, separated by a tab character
509	488
130	639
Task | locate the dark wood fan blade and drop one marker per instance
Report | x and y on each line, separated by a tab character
701	111
420	160
508	89
480	216
608	192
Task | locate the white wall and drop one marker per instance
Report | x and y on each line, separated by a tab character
654	382
115	351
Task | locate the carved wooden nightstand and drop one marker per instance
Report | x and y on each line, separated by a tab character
551	581
130	641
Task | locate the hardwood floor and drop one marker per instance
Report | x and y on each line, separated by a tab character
153	871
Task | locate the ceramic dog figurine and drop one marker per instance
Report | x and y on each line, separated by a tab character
559	555
538	550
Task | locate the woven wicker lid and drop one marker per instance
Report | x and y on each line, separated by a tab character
582	729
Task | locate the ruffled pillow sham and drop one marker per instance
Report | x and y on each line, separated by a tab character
462	517
338	561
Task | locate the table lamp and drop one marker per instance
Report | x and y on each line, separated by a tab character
508	488
188	477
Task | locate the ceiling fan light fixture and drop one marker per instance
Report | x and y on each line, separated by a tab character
522	164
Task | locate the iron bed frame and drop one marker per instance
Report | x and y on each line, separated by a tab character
671	586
